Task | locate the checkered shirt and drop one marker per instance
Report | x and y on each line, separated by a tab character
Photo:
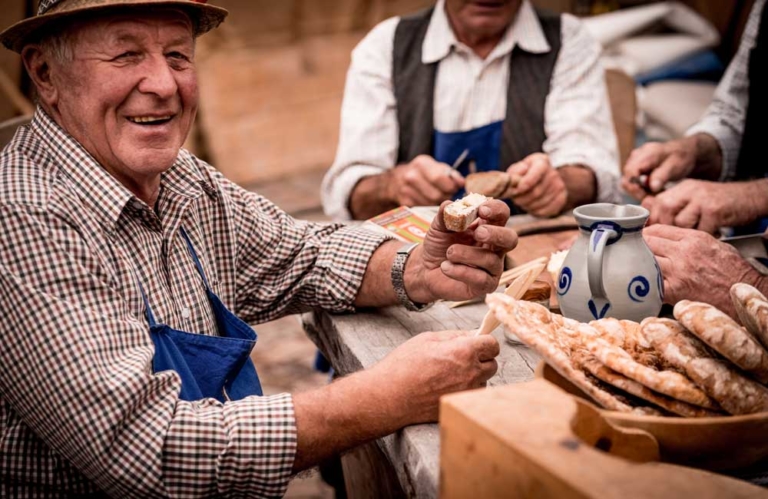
81	411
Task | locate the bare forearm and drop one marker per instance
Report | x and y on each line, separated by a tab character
377	289
581	184
709	157
371	197
342	415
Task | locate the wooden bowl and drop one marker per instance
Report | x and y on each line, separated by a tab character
718	443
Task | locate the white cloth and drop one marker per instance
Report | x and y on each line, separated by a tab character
471	92
725	117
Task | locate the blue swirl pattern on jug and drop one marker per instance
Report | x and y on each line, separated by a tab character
638	289
564	282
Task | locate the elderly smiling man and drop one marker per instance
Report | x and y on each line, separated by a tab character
129	269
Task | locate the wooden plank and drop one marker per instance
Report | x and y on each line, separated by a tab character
354	342
518	441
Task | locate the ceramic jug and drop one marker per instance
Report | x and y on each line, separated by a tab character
610	271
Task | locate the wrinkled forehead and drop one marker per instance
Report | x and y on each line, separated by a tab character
123	24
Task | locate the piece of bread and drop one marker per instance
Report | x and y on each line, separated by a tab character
535	327
752	307
735	393
460	214
725	336
491	184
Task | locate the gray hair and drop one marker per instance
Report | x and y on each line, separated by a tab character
58	44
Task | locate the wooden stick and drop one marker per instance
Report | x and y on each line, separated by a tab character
516	290
506	278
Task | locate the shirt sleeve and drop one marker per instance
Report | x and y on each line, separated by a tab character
287	266
724	119
368	138
82	381
578	120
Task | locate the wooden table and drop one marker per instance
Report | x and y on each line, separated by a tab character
407	462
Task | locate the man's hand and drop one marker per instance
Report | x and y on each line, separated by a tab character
423	182
429	365
461	266
696	156
537	187
698	267
707	206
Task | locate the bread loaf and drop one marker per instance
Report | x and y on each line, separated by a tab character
725	336
492	184
752	307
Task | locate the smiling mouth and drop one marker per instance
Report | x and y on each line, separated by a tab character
150	120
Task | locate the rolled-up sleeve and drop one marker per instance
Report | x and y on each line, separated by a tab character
724	119
81	386
578	120
368	137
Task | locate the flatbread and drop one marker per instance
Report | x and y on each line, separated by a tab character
735	393
752	307
534	326
725	336
632	387
670	383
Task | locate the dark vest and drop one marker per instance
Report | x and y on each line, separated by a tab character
414	85
752	163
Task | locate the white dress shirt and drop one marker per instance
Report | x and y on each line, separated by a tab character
725	117
471	92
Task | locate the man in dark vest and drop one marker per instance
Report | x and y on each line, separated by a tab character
720	162
482	85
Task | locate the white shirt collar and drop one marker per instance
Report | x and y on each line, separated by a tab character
525	31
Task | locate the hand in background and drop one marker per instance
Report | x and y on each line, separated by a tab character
461	265
708	206
662	161
698	267
537	187
423	182
431	364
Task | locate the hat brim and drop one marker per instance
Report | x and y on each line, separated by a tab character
206	17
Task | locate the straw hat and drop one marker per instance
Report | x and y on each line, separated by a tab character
205	17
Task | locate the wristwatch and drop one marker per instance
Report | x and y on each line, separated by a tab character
398	281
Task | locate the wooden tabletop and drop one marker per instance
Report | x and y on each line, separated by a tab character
357	341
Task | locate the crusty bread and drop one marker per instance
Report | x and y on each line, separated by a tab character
725	336
460	214
491	184
752	307
535	327
735	393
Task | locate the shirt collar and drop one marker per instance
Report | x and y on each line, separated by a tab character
102	193
524	31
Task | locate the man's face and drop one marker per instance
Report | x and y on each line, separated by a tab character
130	95
483	18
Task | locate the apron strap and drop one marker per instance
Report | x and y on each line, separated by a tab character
147	308
194	257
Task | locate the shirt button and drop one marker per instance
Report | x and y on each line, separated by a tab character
186	313
136	204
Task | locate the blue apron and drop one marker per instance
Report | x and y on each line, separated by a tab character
484	146
217	367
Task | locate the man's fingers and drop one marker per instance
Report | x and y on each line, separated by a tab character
538	168
476	257
643	159
494	212
663	174
445	179
499	238
632	188
666	231
477	280
689	216
708	223
662	247
485	346
488	368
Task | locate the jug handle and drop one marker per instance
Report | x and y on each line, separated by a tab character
598	240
